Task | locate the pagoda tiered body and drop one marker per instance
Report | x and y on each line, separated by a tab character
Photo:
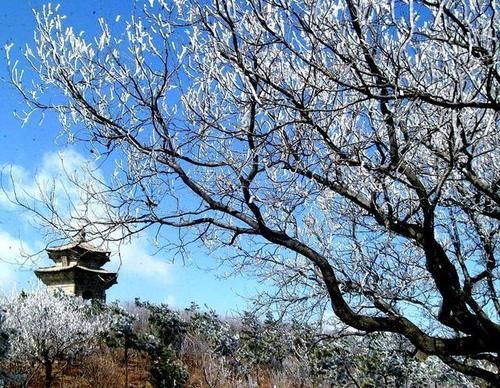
77	270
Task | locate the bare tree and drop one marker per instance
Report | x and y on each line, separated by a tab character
4	346
347	150
47	328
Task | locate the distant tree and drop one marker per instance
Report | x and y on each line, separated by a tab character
378	360
214	333
212	345
123	333
264	343
345	149
167	332
47	328
3	346
298	353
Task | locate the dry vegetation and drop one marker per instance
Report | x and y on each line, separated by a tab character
147	345
107	369
101	370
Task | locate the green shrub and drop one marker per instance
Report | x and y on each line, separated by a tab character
167	333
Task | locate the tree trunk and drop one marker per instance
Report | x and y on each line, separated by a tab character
126	361
48	373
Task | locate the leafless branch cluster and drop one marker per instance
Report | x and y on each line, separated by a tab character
347	150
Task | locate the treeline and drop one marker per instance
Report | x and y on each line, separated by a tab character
48	338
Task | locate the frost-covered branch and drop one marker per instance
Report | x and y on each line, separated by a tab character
346	150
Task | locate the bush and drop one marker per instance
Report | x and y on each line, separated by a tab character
3	347
48	327
167	334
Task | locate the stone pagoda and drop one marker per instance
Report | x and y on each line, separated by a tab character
78	270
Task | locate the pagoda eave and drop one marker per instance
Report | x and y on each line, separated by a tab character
54	274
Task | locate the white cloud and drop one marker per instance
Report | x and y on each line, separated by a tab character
138	262
53	180
170	300
13	254
55	173
7	276
65	181
9	174
54	169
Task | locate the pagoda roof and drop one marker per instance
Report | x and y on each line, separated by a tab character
47	273
77	244
73	266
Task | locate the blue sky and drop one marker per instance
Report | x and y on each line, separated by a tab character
35	152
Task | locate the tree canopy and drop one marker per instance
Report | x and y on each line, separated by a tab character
347	150
48	327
